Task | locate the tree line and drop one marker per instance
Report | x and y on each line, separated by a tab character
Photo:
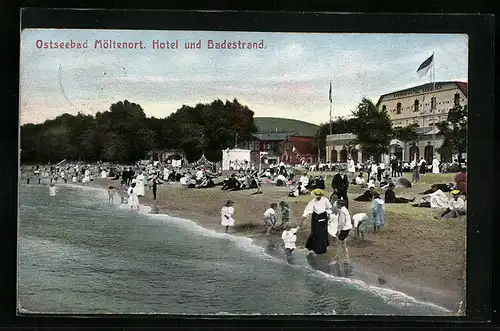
125	134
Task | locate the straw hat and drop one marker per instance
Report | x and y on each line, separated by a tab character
318	193
455	192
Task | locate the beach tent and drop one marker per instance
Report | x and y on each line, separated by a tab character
203	160
233	155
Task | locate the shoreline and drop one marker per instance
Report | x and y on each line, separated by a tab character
363	272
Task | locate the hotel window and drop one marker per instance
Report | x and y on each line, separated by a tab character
257	146
398	108
415	106
384	108
433	102
457	99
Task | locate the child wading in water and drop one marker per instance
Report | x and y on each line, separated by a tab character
289	238
111	193
226	215
52	190
270	218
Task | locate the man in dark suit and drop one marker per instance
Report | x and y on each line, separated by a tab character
340	184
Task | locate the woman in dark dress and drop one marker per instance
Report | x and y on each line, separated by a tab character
319	208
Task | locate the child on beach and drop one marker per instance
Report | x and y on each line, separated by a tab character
52	190
111	193
343	228
123	193
289	238
226	215
133	200
285	214
270	218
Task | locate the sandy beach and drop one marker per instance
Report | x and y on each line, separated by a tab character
415	254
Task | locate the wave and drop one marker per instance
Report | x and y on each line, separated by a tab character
390	296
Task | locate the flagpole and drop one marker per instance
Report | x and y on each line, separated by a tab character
330	98
435	104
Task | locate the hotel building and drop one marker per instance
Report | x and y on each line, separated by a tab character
419	105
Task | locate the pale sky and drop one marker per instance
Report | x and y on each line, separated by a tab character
289	78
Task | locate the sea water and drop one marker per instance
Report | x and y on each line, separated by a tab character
80	255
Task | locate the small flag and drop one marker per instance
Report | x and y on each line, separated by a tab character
425	66
330	93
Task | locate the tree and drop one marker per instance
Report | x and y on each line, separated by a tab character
454	131
407	134
373	128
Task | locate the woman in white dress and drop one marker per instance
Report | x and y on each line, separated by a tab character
139	185
226	215
104	174
133	200
435	166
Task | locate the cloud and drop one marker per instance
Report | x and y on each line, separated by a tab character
290	77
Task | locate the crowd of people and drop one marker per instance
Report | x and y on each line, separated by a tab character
329	217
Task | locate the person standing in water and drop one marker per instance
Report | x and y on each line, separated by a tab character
155	186
289	239
52	190
111	193
319	208
344	226
226	215
133	200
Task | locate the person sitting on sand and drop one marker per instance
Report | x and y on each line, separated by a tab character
378	212
270	218
443	187
366	196
319	208
390	196
456	206
285	214
359	180
226	215
289	239
304	180
111	193
52	190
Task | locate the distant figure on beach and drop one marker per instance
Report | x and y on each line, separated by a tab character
154	186
289	238
319	208
111	193
133	200
52	190
270	218
227	214
414	168
378	212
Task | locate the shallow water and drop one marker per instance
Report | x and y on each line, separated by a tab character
78	254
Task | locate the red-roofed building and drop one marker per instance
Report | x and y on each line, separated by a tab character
298	150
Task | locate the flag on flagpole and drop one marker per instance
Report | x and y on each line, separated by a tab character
425	66
330	93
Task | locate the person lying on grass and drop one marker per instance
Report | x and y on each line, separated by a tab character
456	206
